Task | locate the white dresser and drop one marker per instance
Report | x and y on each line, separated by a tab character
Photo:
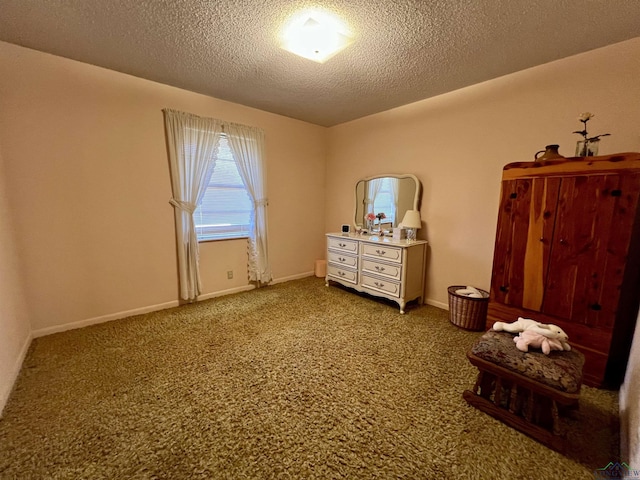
380	266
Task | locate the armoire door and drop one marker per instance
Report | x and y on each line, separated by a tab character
589	249
523	241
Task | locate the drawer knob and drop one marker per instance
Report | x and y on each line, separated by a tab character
378	284
340	259
379	268
342	245
341	273
380	252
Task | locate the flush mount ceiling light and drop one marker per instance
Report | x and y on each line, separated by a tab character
317	36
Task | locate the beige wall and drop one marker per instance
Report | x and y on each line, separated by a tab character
88	180
15	333
457	144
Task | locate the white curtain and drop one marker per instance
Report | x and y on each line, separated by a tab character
394	183
191	143
374	187
247	145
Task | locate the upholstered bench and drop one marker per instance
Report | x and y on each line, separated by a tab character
528	391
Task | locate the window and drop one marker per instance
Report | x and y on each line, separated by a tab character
385	202
226	208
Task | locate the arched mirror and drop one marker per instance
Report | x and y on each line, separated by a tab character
391	195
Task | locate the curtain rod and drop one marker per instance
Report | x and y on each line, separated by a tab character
223	123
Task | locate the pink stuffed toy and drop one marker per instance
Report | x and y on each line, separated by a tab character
534	339
526	324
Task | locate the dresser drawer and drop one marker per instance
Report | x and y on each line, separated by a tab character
391	254
386	286
343	244
343	274
384	269
342	259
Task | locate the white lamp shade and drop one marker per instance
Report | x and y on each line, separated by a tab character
412	219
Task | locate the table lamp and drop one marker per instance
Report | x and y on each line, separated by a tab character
411	222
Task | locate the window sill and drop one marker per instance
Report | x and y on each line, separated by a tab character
221	239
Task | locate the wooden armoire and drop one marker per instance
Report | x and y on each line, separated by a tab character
567	252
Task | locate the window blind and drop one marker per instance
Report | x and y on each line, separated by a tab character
225	210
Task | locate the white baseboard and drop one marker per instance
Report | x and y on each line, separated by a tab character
152	308
297	276
435	303
220	293
104	318
15	371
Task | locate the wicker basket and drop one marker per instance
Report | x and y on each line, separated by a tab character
468	312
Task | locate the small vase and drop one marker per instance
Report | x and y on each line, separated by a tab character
369	226
587	148
549	153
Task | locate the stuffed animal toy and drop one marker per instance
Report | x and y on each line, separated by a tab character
526	324
529	338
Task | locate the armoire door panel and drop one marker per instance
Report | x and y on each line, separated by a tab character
542	214
570	247
523	241
578	252
619	245
504	237
511	242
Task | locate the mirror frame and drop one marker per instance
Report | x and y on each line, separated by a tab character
416	198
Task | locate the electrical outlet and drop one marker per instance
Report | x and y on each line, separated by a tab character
230	274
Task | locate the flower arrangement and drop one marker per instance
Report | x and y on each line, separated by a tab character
588	146
370	217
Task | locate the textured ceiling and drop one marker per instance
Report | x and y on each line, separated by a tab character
403	50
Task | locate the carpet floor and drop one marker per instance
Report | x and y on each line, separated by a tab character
294	380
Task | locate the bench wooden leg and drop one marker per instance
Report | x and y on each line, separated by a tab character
540	434
476	387
554	416
514	398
